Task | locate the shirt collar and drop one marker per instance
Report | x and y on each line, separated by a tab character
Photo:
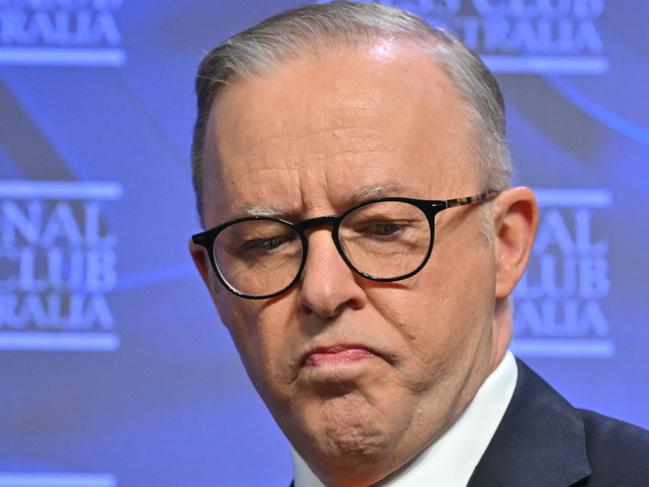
451	459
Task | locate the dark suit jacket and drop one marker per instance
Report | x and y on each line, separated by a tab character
542	441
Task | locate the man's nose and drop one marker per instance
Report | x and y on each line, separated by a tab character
328	285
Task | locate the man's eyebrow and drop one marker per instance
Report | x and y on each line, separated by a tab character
258	210
364	193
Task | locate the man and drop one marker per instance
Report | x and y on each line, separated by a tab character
350	164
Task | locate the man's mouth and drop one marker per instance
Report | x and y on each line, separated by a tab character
336	355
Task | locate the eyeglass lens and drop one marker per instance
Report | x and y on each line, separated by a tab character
258	257
384	240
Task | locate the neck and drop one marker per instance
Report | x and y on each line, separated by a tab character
501	332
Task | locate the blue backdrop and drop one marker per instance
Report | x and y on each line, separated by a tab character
114	368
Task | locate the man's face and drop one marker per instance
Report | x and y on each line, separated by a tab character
310	139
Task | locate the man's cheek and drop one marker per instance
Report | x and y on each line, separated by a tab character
238	314
258	335
241	329
396	306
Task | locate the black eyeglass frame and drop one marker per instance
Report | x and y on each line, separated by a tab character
430	208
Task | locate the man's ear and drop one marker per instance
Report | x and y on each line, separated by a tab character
202	263
516	219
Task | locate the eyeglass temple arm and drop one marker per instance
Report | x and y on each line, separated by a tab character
468	200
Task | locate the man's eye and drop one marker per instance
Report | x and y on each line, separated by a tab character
386	228
262	244
383	229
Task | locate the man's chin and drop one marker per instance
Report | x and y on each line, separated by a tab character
348	450
344	423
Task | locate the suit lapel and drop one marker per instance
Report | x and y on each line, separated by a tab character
540	441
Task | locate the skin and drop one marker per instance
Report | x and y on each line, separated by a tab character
301	141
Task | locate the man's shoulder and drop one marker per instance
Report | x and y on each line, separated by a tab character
601	430
544	441
618	452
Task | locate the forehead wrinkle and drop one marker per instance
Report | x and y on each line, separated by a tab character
294	153
346	121
294	148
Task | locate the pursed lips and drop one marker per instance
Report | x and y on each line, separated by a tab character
338	354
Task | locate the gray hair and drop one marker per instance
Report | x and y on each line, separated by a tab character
313	29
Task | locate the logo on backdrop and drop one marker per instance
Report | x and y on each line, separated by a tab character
60	32
57	266
523	36
558	305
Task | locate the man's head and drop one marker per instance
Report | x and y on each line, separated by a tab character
306	116
317	29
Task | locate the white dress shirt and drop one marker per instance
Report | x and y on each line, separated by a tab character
451	459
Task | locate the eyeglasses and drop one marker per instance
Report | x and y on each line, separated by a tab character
386	240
